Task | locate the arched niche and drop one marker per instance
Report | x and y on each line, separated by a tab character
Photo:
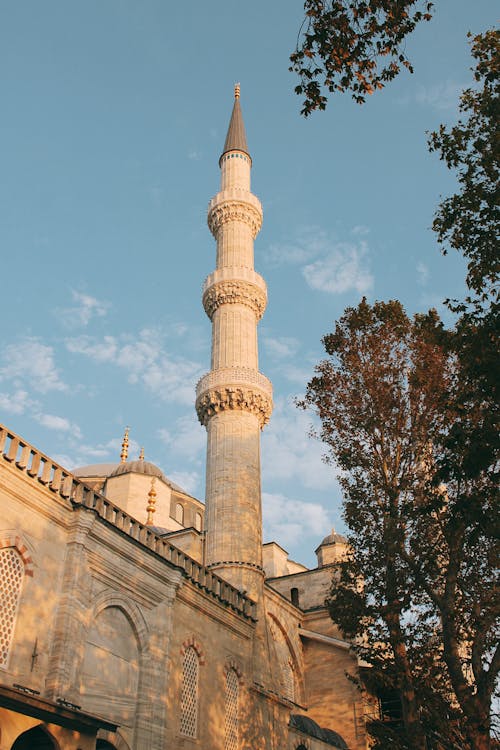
35	739
109	676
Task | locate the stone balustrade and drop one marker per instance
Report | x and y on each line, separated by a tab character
40	468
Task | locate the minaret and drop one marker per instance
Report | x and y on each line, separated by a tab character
234	401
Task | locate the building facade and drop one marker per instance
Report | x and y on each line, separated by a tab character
132	615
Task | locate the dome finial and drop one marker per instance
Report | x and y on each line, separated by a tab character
124	453
236	90
141	454
151	503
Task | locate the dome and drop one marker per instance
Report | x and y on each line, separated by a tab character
138	467
308	726
334	538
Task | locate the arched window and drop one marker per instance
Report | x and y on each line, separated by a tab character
189	698
294	596
288	679
198	521
109	673
11	581
232	699
179	513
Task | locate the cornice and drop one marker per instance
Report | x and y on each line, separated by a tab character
224	211
235	291
250	398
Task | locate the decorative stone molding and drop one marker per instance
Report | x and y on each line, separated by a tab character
9	539
234	210
111	598
227	398
233	292
234	273
232	665
234	377
191	642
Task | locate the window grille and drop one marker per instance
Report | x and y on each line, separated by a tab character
231	729
189	700
11	580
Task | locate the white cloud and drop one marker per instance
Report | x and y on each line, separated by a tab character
169	376
281	347
288	521
54	422
156	195
186	438
440	96
287	254
290	454
102	452
297	375
101	351
189	481
360	230
423	273
30	361
15	403
345	267
60	424
194	155
85	308
310	242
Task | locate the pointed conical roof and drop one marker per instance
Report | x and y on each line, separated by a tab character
236	139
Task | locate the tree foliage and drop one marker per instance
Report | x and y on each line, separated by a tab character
352	45
409	414
469	220
417	596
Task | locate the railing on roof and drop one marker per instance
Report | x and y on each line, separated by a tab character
41	468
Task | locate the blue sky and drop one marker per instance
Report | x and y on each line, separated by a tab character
113	118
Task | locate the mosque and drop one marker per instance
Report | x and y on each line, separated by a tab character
136	617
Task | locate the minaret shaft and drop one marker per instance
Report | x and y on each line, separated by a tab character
234	400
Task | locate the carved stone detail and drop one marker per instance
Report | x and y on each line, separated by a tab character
238	398
221	213
233	292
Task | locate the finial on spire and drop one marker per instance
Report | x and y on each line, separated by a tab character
236	139
141	454
124	453
151	506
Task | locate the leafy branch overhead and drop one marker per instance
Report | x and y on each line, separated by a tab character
352	45
468	221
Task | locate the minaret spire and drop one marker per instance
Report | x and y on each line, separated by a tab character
236	139
234	400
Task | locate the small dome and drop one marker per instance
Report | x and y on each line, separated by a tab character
334	538
138	467
308	726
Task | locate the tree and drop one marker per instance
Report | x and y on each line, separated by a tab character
352	45
469	220
424	615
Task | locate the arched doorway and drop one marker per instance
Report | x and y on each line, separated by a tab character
34	739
